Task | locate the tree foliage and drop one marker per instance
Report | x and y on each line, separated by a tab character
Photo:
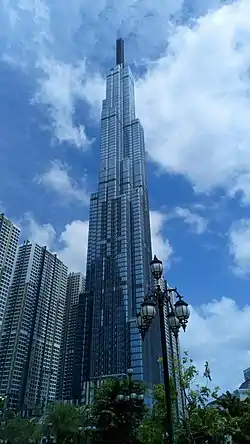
118	421
18	431
209	418
153	426
65	420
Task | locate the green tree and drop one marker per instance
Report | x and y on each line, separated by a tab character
65	420
237	413
202	420
19	431
232	405
241	428
154	424
117	421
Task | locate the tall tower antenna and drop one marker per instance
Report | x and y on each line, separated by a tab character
120	51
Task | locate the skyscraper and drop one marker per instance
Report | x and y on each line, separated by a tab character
9	237
119	244
75	287
32	328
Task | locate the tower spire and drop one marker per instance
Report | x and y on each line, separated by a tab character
120	51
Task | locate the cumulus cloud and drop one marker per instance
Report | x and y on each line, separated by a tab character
73	243
194	101
29	43
46	40
239	246
41	234
218	332
57	179
196	222
70	245
60	87
160	245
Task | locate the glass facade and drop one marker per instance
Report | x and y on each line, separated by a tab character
119	244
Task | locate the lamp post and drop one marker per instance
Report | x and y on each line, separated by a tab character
131	398
129	395
48	438
177	317
89	431
79	435
128	401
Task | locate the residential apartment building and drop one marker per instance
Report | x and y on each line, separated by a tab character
9	237
75	287
32	329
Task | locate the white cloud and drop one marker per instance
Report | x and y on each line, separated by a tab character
70	245
239	246
60	87
160	245
241	186
41	234
194	101
219	333
57	179
30	44
46	39
196	222
73	245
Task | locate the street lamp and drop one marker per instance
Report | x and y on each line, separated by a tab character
49	439
129	395
178	315
79	434
130	398
89	431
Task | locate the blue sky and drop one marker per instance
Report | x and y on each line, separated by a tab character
191	65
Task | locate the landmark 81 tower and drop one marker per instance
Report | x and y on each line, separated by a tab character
119	244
